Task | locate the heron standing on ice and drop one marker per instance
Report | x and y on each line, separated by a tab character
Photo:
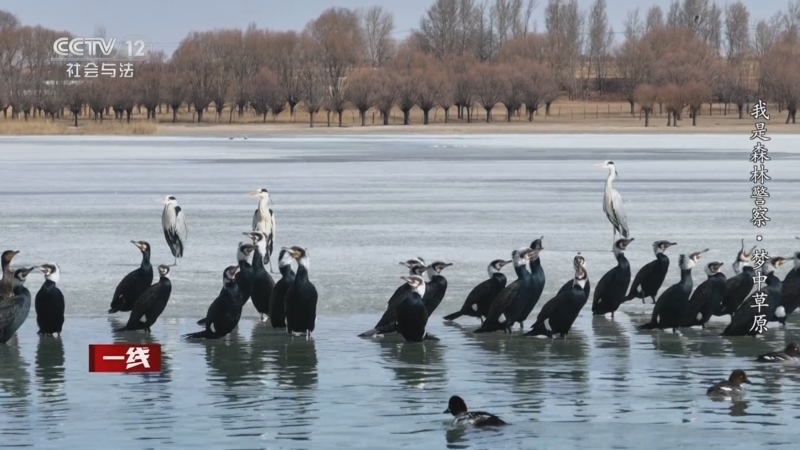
264	221
174	223
612	204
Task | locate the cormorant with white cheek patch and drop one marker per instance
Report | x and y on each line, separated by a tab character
14	311
263	284
743	321
173	221
609	293
566	287
277	302
481	296
738	288
536	284
671	306
414	262
558	314
7	283
301	299
264	221
225	311
651	276
388	321
412	315
502	311
435	287
706	297
49	302
135	283
151	303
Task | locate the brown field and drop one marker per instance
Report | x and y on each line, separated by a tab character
566	117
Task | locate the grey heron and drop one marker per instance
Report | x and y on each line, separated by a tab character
173	220
612	204
264	221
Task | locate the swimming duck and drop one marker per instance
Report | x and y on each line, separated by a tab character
730	387
788	355
458	408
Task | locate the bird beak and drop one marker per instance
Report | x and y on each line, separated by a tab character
746	380
506	263
600	165
670	244
253	194
29	270
136	244
446	411
447	264
14	253
43	269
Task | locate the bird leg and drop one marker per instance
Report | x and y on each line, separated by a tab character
176	262
522	326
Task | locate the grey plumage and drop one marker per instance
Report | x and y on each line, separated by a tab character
612	204
173	221
264	221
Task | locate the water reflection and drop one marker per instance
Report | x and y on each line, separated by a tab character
291	364
50	381
668	343
415	364
610	333
14	379
738	408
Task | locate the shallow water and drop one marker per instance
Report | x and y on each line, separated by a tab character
360	205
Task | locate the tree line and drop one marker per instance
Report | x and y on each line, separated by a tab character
464	55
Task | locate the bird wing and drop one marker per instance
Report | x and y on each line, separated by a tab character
502	301
180	224
699	298
272	221
618	210
599	290
390	315
9	310
144	303
790	291
643	273
550	307
662	301
566	287
124	285
476	293
255	220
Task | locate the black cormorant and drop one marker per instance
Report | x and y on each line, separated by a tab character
743	321
577	261
741	257
173	221
706	297
7	283
301	299
558	314
509	302
790	297
49	302
388	321
263	284
245	276
481	296
277	302
225	311
671	306
412	315
738	287
264	221
536	286
135	283
15	310
651	276
150	304
436	286
610	290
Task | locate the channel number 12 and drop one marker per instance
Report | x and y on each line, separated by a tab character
138	45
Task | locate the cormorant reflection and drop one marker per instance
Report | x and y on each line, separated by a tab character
414	363
14	380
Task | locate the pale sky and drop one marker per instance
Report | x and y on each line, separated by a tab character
166	22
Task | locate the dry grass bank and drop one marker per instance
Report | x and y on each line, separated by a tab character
566	116
40	127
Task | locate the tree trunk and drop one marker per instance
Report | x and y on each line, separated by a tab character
791	115
488	114
174	115
199	115
311	120
406	114
674	118
446	114
425	116
509	112
363	114
633	113
74	113
340	118
646	118
694	117
385	115
547	108
740	107
669	118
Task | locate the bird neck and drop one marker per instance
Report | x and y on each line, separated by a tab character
286	270
263	207
146	259
52	278
302	273
258	259
610	178
686	275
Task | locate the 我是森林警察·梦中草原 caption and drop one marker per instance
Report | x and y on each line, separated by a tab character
759	193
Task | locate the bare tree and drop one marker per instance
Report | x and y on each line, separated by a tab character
695	94
646	96
284	60
361	91
515	81
377	25
674	19
655	19
766	34
196	58
312	80
634	62
432	83
385	94
672	97
175	89
564	22
263	89
634	28
150	83
737	31
601	37
538	88
75	99
780	71
489	86
338	37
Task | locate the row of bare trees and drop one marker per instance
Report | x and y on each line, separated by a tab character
464	55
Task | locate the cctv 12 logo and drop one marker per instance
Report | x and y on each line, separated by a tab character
129	48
